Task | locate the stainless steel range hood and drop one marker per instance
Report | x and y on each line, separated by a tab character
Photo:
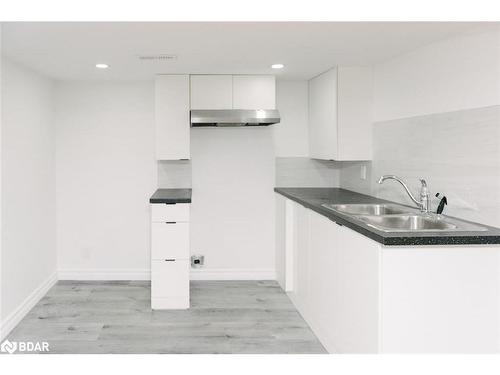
234	117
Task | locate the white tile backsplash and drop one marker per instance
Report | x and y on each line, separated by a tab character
174	174
458	153
306	172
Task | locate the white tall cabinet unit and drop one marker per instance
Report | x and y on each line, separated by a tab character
340	102
170	256
172	117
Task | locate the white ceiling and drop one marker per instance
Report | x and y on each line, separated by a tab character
69	51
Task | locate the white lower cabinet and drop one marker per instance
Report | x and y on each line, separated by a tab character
170	256
323	291
280	244
169	241
169	283
359	296
342	287
440	299
301	259
357	279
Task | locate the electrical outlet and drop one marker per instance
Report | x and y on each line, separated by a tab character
197	261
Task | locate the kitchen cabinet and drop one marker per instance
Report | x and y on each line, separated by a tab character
280	244
323	281
233	92
300	263
335	282
172	122
254	92
359	296
171	279
170	240
440	299
340	125
170	256
357	290
211	91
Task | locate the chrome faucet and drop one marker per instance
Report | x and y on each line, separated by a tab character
423	203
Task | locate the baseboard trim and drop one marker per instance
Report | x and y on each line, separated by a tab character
22	310
138	274
232	274
104	274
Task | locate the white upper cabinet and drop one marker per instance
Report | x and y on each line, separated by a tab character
340	125
211	91
254	92
233	92
172	117
323	116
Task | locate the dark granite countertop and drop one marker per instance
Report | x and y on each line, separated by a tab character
171	196
313	198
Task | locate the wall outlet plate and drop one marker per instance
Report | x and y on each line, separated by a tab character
197	261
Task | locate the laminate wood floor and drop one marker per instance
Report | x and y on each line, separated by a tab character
116	317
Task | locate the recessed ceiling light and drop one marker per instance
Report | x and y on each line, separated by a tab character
101	66
277	66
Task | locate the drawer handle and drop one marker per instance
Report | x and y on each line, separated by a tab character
169	260
170	222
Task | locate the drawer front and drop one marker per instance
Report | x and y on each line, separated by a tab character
169	278
178	212
169	241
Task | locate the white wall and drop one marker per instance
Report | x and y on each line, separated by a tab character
106	172
450	75
28	190
1	162
105	158
232	212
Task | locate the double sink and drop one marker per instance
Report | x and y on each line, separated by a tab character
396	218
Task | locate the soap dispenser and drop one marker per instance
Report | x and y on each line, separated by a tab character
441	204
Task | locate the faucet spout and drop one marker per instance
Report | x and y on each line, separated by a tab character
423	203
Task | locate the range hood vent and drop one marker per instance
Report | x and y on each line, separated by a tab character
234	117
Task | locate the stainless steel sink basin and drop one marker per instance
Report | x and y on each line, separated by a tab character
407	223
369	209
389	217
418	223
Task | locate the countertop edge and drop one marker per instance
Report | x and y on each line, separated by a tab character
171	196
393	240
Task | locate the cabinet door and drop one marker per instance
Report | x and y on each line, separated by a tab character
280	254
172	117
170	241
323	116
323	298
254	92
301	273
169	278
211	92
179	212
354	113
357	312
